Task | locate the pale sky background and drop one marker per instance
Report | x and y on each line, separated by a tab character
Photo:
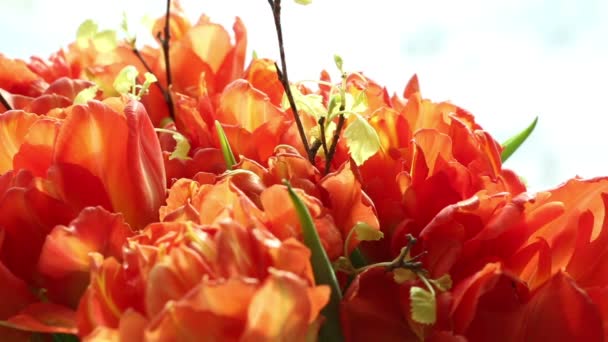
505	61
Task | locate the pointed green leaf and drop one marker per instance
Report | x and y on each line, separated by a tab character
443	283
86	95
365	232
303	2
339	62
362	140
322	268
424	305
225	146
513	143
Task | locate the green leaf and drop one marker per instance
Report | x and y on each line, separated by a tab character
365	232
513	143
225	146
362	140
322	268
126	80
303	2
443	283
105	41
424	305
182	148
86	95
312	103
149	79
339	62
86	31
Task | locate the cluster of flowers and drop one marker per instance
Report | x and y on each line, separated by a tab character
114	229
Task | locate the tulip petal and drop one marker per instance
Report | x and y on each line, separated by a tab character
562	311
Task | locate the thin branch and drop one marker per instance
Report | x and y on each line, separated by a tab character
323	137
5	102
164	41
275	5
334	144
147	66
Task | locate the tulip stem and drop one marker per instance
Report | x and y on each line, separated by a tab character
5	102
275	5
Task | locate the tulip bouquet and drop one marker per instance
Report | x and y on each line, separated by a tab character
178	193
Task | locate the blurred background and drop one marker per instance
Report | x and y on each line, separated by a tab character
504	61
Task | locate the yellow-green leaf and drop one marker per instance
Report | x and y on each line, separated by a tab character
126	79
312	103
362	140
442	283
339	62
513	143
182	148
365	232
86	95
105	41
303	2
424	305
225	146
322	269
86	31
401	275
149	78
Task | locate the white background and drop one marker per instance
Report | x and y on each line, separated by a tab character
505	61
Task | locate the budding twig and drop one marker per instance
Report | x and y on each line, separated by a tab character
164	38
147	66
334	144
164	41
275	5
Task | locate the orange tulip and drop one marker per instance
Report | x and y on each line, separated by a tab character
185	281
514	263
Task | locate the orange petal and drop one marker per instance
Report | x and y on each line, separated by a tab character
44	317
349	204
281	310
215	310
14	126
115	156
17	78
488	305
562	311
370	310
67	248
232	66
